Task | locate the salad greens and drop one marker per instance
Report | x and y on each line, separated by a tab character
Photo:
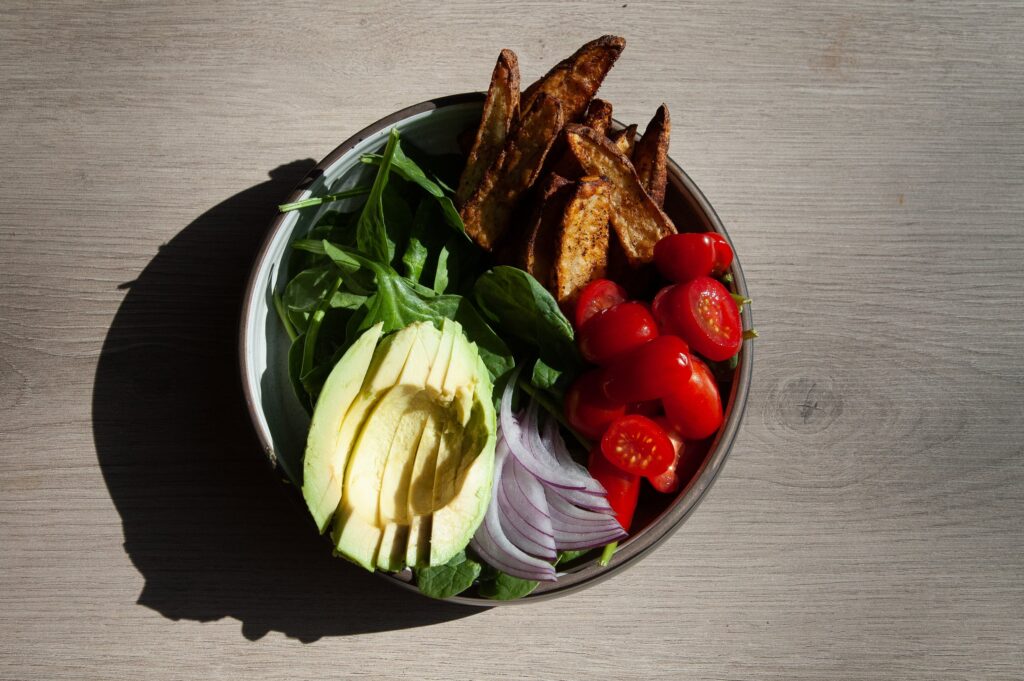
403	257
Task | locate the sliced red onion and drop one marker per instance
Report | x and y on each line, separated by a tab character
554	442
581	479
559	508
521	534
547	470
592	502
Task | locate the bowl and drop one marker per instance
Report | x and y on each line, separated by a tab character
281	422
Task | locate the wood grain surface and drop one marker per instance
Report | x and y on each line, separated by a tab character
868	159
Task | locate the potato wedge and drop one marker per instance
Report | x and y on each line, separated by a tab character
582	254
599	115
488	211
625	140
575	80
637	220
501	108
542	240
650	156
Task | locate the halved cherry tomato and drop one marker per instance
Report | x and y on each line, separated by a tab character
587	409
648	372
623	488
723	254
616	330
637	445
695	409
682	257
706	316
597	296
669	480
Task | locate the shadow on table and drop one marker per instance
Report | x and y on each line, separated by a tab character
210	528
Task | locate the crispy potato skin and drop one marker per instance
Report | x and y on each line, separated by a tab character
599	115
625	140
538	249
637	220
650	156
583	245
501	108
488	212
575	80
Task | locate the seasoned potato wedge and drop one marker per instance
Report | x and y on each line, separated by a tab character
625	140
637	220
501	108
488	211
599	115
575	80
546	220
582	254
650	156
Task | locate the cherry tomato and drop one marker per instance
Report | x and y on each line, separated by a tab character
597	296
587	409
695	409
649	408
706	316
637	445
723	254
682	257
648	372
623	488
660	311
616	330
669	480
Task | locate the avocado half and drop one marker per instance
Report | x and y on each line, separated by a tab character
400	454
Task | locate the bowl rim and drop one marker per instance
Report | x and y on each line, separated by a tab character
663	526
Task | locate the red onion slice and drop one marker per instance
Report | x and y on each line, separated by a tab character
581	479
521	534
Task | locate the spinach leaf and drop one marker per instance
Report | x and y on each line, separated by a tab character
416	251
506	587
371	229
495	354
545	377
407	169
517	303
327	198
295	372
310	339
444	581
568	556
441	271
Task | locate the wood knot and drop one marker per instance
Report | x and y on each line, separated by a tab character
806	404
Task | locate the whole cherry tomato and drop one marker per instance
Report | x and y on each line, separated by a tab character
705	315
615	331
682	257
638	445
669	481
623	488
648	372
695	409
723	254
597	296
587	409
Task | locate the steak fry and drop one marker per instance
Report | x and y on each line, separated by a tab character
583	247
638	221
599	115
488	211
542	240
650	157
575	80
501	108
625	140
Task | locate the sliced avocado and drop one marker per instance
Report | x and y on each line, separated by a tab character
449	331
323	467
421	492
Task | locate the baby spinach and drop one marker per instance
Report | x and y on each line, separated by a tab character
450	579
408	170
506	587
371	230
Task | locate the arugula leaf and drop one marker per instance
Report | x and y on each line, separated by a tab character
407	169
506	587
454	577
371	229
521	307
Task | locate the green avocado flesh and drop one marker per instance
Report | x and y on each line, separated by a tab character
400	453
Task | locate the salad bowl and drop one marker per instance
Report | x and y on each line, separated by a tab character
280	421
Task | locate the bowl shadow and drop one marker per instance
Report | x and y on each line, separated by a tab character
212	530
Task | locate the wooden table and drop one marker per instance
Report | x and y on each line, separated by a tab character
868	159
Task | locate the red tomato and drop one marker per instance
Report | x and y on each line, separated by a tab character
682	257
695	409
616	330
660	311
706	316
723	254
623	488
648	372
597	296
669	480
637	445
650	408
587	409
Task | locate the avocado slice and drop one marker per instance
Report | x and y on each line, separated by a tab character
421	492
323	466
391	516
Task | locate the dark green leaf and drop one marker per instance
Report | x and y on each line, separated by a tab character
371	229
569	556
311	335
506	587
441	271
295	372
450	579
408	170
415	256
495	354
545	377
327	198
